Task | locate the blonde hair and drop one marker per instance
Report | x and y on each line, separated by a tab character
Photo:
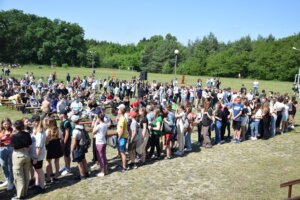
53	131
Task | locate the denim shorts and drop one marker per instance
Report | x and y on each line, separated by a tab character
122	144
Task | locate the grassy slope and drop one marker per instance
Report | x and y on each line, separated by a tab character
252	170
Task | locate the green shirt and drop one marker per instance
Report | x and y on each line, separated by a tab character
158	119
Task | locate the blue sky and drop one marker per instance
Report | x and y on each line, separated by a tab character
128	21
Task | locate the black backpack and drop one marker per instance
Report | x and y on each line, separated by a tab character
85	141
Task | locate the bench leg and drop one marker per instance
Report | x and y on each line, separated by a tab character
290	191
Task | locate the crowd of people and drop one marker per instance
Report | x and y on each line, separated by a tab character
142	121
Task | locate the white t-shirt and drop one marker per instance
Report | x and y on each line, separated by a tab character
76	134
101	133
38	140
258	114
176	90
249	96
279	106
255	84
94	85
76	107
220	95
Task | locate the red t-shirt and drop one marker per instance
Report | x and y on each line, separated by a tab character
6	141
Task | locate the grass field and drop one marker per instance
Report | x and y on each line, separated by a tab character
252	170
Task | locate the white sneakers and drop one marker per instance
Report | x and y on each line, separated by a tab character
65	172
187	150
253	138
101	174
4	184
95	166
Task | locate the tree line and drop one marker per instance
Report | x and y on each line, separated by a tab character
27	38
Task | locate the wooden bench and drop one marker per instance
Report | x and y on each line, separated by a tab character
33	109
290	185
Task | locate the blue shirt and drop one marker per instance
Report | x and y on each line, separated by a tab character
237	108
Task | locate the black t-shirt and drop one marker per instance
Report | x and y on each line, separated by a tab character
21	140
225	115
219	114
143	121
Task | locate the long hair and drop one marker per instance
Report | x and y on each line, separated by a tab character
38	128
52	129
6	120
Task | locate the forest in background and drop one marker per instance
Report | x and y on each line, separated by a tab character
30	39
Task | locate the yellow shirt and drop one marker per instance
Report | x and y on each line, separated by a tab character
122	124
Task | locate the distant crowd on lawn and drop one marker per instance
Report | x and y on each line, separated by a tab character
147	120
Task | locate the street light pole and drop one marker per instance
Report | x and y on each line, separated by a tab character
298	78
92	52
176	57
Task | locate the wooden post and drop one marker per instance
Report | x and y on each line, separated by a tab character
290	191
182	79
113	76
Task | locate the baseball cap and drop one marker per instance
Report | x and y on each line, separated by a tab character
133	114
35	118
74	118
121	106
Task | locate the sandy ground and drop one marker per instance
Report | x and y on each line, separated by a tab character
251	170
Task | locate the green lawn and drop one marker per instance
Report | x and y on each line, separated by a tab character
252	170
125	75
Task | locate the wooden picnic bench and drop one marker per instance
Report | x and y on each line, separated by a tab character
33	109
290	185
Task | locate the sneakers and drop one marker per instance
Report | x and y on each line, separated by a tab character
237	141
178	153
292	127
65	172
188	149
4	184
62	169
101	174
253	138
199	143
168	158
95	166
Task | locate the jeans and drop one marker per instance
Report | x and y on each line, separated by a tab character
218	128
254	128
6	163
188	141
223	129
273	125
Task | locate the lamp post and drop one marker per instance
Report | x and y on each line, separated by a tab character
176	57
298	78
92	52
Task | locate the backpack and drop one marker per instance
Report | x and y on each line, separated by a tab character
166	128
85	141
186	124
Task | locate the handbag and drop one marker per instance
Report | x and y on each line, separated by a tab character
112	141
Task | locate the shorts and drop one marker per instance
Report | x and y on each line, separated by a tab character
122	145
131	146
78	155
168	138
236	125
67	149
38	165
293	113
